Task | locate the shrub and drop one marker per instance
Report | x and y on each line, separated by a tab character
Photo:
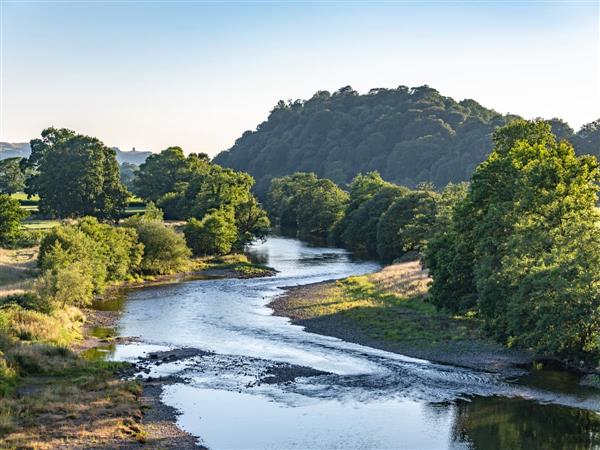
165	250
27	300
215	234
67	285
106	252
11	215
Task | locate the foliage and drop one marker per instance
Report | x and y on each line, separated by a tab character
409	135
370	197
215	234
71	284
75	176
523	247
164	172
127	173
405	226
309	204
192	187
12	179
165	250
11	215
102	252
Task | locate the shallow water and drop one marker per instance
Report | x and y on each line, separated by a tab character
370	399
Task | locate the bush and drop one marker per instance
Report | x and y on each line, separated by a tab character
28	300
106	252
215	234
165	250
68	285
11	215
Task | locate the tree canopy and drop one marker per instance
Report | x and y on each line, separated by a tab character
523	247
309	204
74	175
408	135
191	187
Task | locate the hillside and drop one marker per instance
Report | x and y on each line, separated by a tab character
22	150
409	135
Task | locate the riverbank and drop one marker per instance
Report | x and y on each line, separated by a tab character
386	310
56	397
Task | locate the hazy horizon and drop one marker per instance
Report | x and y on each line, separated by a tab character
151	74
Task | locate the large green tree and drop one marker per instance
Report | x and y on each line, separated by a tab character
524	245
167	171
75	175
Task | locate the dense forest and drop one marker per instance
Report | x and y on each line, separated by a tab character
409	135
517	247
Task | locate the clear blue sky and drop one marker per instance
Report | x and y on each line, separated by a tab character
151	74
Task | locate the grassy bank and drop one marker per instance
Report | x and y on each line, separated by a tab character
50	397
53	397
388	310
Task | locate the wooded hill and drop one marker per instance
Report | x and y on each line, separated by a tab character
409	135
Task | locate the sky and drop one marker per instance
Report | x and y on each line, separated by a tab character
152	74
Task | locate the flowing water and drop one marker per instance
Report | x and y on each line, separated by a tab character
368	399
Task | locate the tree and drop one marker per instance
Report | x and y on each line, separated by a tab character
127	172
525	243
12	179
215	234
251	222
307	204
407	224
11	215
165	250
167	171
75	175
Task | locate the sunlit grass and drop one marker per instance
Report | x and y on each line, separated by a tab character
389	305
40	224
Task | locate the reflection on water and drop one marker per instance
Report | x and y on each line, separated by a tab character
518	424
369	398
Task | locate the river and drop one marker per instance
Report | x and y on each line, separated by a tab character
369	399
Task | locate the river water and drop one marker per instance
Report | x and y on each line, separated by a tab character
369	399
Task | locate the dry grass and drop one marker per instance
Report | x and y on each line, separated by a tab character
407	279
61	327
88	411
17	270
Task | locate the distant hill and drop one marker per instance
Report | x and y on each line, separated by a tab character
409	135
22	150
18	150
131	156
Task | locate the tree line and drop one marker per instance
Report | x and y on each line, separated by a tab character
408	135
77	176
518	247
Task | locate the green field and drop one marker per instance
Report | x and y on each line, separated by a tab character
31	207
